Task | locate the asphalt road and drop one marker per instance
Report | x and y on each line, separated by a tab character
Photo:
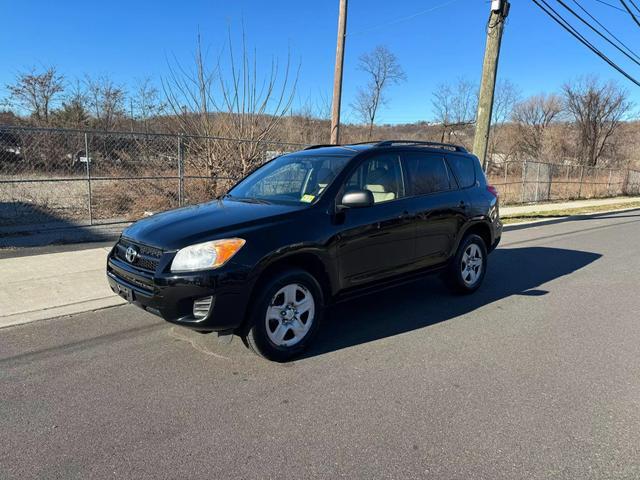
537	375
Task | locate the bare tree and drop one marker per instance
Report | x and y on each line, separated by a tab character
146	103
254	106
597	110
229	99
189	93
323	106
532	117
505	99
106	101
36	92
73	113
455	106
383	70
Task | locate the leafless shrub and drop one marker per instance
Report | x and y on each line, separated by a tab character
231	99
532	118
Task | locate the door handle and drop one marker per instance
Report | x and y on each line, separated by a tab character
462	204
404	215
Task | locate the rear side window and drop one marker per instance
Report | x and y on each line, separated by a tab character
426	174
464	170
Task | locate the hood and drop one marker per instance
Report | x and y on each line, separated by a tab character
176	229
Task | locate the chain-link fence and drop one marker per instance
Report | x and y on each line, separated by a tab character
53	177
532	182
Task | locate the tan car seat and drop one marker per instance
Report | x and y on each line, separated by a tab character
380	181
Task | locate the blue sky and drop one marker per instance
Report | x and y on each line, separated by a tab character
130	40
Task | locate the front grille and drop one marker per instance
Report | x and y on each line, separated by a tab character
147	257
135	280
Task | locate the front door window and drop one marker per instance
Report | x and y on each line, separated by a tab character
381	175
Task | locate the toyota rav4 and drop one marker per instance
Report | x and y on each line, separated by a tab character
307	230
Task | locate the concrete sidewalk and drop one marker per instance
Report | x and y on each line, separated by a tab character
514	211
48	285
36	287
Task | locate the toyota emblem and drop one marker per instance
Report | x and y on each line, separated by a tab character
131	254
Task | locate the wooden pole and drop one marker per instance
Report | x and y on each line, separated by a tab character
337	76
499	12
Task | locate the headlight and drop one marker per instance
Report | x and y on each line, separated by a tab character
206	255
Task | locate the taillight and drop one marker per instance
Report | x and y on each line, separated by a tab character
493	190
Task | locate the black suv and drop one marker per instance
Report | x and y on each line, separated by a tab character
306	230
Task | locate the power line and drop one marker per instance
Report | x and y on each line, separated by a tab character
635	19
610	5
556	17
606	29
634	4
598	32
402	19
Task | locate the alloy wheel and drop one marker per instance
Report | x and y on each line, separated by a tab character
471	265
290	315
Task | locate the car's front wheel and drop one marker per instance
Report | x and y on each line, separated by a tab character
286	315
468	267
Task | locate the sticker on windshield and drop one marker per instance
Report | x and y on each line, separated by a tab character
307	198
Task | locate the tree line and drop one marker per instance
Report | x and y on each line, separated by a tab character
586	122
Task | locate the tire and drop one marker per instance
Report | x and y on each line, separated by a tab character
461	276
283	321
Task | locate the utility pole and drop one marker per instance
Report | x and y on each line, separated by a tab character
337	76
499	12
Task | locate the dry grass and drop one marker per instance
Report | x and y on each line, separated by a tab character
111	200
569	212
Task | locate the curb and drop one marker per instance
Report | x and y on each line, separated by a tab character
564	217
60	311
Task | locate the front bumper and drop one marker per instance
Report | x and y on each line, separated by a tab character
171	296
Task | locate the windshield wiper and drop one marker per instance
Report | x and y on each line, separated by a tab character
247	199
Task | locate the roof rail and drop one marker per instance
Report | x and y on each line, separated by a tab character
449	146
368	142
321	145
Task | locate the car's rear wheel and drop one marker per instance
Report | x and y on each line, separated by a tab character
468	267
286	315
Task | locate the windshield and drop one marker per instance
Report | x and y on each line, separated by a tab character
292	179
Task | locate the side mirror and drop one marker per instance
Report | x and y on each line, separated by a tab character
357	199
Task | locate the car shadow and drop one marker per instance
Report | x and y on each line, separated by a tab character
511	271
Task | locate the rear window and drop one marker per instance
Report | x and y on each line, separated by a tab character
426	174
464	170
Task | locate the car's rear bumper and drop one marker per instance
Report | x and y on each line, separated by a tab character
171	296
497	234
